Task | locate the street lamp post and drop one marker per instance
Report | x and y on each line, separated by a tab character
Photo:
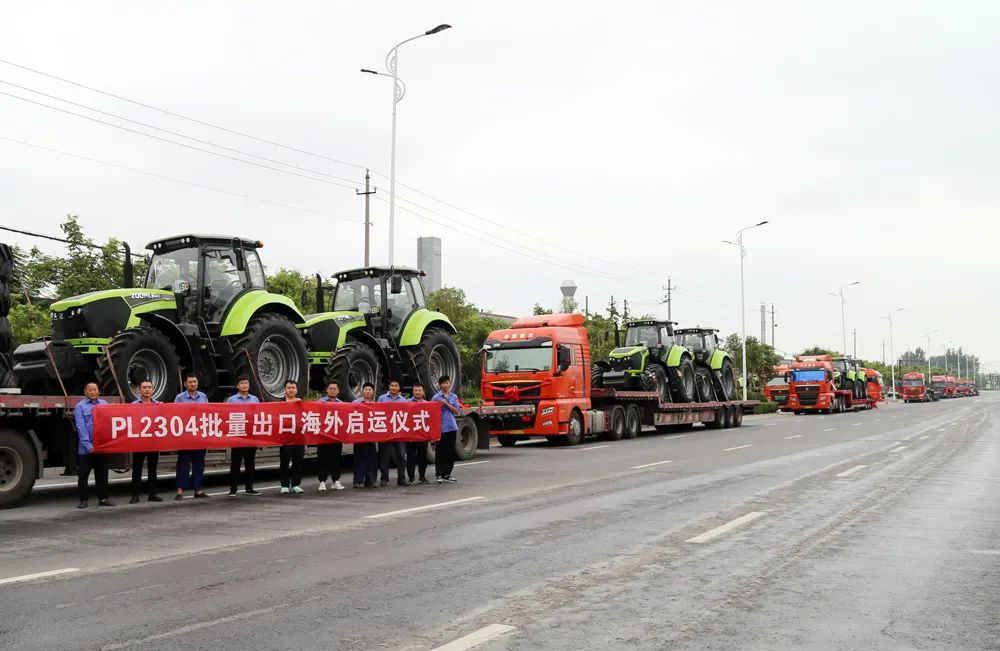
892	355
928	335
398	91
843	320
743	307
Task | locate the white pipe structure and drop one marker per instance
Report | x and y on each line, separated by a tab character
928	336
892	355
398	91
843	320
743	306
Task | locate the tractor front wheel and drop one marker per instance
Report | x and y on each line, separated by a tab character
271	352
351	366
655	379
437	355
137	354
704	388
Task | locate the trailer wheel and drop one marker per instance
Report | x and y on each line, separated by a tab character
17	468
633	424
617	430
738	416
507	441
727	415
467	440
719	421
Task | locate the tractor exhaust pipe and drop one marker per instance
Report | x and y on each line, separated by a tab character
128	280
319	294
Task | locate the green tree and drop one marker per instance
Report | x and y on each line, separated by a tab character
472	329
29	322
296	286
818	350
538	310
761	359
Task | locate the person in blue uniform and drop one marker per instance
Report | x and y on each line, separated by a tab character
190	463
152	459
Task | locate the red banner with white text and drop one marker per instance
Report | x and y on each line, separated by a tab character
208	426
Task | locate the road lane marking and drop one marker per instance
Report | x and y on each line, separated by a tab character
856	424
829	429
650	465
675	436
794	436
877	419
262	488
593	447
477	638
712	534
899	449
987	552
925	437
425	507
851	471
738	447
769	424
38	575
470	463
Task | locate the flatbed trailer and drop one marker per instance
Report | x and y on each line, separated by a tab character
843	401
36	432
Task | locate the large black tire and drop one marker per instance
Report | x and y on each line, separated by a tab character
617	430
137	354
6	263
437	355
7	379
655	380
466	440
6	336
727	380
507	441
737	416
682	381
574	430
859	389
704	387
4	298
596	377
351	366
18	466
720	419
633	422
270	352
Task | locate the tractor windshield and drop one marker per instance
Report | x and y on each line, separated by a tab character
646	334
512	360
359	295
167	268
696	341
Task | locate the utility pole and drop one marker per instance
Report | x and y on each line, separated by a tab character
772	325
855	331
670	287
883	352
586	307
368	223
624	309
763	323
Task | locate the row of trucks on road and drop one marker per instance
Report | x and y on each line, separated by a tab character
204	307
915	388
825	384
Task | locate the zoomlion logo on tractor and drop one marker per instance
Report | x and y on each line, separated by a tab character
141	298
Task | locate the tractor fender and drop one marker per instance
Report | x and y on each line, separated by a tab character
417	324
251	303
362	336
174	334
718	357
675	355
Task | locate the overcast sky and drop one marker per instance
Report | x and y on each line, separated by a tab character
609	145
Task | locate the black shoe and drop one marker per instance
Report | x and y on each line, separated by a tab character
201	496
105	502
450	479
384	483
251	491
178	497
153	497
359	485
369	485
67	473
423	480
232	492
134	500
403	482
82	504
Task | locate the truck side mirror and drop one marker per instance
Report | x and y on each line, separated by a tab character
396	285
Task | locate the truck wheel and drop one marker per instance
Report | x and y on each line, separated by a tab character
437	355
633	424
467	440
507	441
683	381
727	415
617	431
655	379
728	379
719	421
278	353
18	465
137	354
351	366
574	429
737	416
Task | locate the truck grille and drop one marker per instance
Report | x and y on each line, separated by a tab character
780	397
808	396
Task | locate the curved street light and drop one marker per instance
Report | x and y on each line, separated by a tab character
743	307
843	320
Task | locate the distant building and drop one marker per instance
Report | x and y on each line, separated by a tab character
429	261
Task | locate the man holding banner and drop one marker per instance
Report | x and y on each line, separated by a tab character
190	463
291	454
245	455
83	418
152	459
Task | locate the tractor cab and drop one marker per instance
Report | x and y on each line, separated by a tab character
385	296
702	342
714	367
206	273
654	335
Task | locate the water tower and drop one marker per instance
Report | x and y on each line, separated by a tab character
568	289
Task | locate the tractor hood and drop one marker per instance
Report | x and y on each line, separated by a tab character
99	315
627	351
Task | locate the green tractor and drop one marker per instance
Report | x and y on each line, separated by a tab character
650	360
715	379
378	328
848	376
203	307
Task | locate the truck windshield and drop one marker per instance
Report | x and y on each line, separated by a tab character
913	383
778	381
809	376
511	360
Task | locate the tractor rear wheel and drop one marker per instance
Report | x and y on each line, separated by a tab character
137	354
278	352
655	380
728	379
437	355
351	366
682	381
704	389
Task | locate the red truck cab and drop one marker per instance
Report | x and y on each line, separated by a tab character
915	388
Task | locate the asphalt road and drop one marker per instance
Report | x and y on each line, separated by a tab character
876	530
